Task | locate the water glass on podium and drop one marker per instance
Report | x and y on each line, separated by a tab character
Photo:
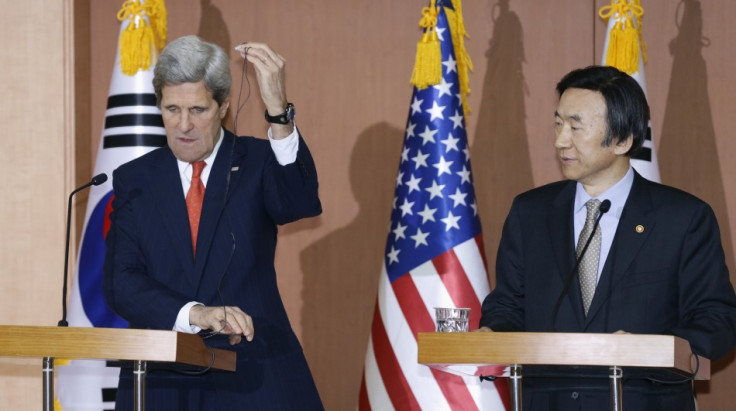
451	320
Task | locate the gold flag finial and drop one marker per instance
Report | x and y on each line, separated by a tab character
624	40
428	62
146	28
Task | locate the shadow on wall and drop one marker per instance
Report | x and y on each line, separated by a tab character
500	151
688	151
342	269
212	26
688	146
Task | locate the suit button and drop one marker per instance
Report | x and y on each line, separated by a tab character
574	395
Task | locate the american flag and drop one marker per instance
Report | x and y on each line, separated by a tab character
434	254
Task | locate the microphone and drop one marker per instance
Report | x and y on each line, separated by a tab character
602	209
96	180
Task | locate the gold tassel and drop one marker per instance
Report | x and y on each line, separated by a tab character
138	38
457	28
637	4
157	16
624	41
428	63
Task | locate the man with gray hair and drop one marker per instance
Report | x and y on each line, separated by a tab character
193	235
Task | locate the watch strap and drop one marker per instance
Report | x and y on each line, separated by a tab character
284	118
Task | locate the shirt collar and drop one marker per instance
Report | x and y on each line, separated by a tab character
616	194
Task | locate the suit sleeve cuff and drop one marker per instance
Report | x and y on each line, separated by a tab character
286	148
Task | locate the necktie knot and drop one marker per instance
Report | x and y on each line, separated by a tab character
593	206
197	168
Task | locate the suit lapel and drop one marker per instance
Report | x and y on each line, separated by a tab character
167	189
626	243
562	238
236	164
214	198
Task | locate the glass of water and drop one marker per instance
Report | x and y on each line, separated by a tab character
451	320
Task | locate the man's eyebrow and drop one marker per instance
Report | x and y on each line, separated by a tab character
574	117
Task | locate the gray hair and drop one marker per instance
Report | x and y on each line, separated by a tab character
190	59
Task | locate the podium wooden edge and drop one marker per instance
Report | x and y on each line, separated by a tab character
193	351
578	349
111	344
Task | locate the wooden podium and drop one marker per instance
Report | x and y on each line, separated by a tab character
139	346
481	353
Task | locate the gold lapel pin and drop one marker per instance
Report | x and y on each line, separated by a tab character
639	229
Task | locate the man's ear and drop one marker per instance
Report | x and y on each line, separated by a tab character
623	147
223	108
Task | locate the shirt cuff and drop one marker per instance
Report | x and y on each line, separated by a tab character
286	148
182	320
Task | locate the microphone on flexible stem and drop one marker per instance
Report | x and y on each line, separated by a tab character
602	209
96	180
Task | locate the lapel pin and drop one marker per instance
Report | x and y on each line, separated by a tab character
236	168
639	229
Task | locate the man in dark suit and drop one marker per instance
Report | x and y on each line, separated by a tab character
193	235
655	264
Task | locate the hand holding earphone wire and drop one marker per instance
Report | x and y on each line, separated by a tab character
270	68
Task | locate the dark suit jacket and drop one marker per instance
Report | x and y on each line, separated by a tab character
669	279
150	272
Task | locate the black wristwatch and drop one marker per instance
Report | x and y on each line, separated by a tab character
284	118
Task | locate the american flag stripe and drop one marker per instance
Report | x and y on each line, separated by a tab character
481	250
455	390
372	381
412	305
430	286
456	281
370	361
470	255
395	385
420	320
403	342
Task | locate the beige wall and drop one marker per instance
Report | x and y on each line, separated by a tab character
348	68
37	157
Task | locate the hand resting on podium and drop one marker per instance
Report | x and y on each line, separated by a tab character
224	320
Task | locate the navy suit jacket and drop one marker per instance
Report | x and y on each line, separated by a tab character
671	278
150	272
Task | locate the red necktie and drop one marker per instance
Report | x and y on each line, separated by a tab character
195	196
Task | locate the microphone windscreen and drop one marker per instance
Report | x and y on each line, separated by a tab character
605	206
101	178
